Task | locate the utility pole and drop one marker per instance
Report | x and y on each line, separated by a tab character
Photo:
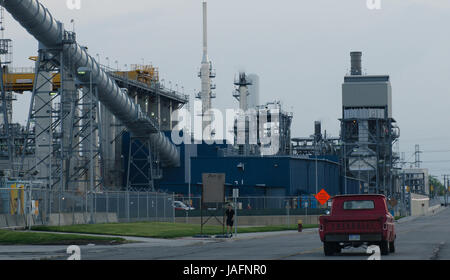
403	194
446	184
445	187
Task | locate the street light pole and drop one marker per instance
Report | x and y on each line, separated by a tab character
403	194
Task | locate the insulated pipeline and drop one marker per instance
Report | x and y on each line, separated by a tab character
38	21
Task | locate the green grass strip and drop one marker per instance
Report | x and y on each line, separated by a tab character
9	237
158	229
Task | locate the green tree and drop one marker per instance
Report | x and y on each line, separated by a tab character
439	188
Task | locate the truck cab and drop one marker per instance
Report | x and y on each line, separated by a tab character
357	220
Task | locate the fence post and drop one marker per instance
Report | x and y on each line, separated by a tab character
156	207
138	205
59	208
73	212
107	207
50	195
164	207
127	198
147	207
287	211
173	208
95	204
28	207
118	205
306	219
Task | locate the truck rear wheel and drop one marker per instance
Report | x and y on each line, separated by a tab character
392	247
331	248
384	247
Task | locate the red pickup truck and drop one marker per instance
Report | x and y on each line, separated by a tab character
357	220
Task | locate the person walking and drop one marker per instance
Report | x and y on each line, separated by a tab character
230	220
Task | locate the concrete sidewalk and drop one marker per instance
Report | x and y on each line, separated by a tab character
254	235
433	212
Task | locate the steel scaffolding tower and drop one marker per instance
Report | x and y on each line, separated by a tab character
6	95
63	125
143	167
43	126
85	139
63	131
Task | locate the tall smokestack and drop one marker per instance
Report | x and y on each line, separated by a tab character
206	75
205	32
356	68
317	129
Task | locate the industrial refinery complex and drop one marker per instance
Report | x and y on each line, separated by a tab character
92	129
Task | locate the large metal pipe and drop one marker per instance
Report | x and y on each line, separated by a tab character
38	21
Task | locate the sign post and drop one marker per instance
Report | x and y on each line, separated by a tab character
306	219
235	197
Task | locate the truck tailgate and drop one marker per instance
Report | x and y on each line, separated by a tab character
351	224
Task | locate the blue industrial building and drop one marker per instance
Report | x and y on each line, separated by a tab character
253	175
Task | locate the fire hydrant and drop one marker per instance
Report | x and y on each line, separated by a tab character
300	225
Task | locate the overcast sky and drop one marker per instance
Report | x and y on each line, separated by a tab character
300	49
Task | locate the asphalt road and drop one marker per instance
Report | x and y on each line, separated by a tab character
418	238
421	238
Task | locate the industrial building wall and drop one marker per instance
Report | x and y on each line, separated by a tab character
260	176
303	176
353	185
268	176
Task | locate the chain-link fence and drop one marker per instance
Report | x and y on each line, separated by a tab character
72	207
262	202
260	205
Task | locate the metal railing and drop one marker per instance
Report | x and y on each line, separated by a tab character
21	70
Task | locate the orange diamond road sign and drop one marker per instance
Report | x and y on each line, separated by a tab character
322	197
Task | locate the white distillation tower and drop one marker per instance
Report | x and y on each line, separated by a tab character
206	74
245	135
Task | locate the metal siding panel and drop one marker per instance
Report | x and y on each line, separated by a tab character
365	94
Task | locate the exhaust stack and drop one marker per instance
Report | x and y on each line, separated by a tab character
356	68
